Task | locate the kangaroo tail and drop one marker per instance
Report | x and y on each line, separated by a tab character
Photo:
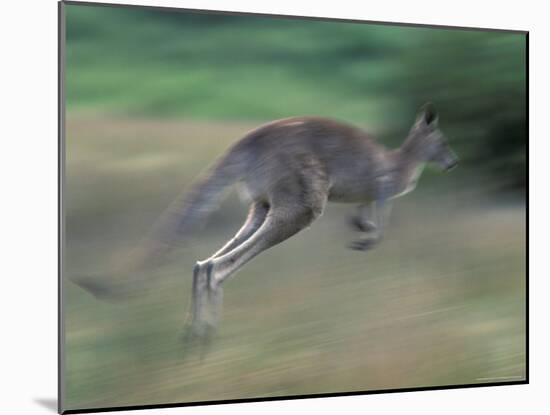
186	213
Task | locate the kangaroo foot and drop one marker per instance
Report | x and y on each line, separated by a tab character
206	304
360	224
197	338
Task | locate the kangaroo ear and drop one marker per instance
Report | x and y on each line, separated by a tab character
427	114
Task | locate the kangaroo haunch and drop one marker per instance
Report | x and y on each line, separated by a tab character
289	169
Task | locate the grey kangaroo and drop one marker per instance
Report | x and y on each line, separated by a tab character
289	169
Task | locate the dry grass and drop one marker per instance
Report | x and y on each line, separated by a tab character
441	301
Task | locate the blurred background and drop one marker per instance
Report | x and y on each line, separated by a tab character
153	97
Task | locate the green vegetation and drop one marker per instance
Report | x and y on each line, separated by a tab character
146	63
440	301
154	97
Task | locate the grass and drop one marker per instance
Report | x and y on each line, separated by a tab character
440	301
204	66
135	62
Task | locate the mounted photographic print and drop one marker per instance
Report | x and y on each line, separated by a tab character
256	207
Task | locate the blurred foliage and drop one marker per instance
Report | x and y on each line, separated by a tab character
145	62
440	302
154	96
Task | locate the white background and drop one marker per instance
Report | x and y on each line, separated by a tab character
28	151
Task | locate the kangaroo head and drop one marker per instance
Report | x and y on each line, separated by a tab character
427	143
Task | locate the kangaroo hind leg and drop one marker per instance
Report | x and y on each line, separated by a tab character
206	302
256	216
294	205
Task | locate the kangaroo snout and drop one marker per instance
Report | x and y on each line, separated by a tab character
452	164
448	161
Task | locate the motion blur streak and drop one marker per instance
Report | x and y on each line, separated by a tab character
154	97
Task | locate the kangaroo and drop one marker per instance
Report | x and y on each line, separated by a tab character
290	169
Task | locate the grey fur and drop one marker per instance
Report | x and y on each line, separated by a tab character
290	168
